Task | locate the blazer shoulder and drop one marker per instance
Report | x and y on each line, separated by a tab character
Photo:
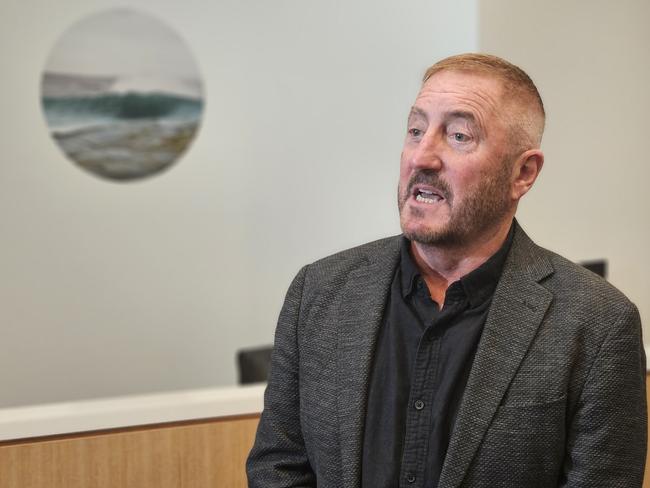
577	285
356	256
562	277
333	271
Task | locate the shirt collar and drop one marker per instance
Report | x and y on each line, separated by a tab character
478	285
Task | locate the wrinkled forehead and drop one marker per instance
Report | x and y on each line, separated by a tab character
463	88
479	96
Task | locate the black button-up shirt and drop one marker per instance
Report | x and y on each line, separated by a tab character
422	362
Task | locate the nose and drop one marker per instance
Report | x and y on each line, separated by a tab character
427	153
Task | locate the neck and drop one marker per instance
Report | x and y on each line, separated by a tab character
440	267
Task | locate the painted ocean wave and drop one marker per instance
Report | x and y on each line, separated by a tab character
63	113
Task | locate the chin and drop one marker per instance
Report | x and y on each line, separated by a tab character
424	234
441	234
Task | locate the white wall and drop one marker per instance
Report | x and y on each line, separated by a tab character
108	289
591	62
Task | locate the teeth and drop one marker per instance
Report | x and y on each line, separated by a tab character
423	199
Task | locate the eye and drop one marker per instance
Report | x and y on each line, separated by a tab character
460	137
415	132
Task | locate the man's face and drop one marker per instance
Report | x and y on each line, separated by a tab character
455	173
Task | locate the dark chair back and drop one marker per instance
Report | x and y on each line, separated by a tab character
598	266
254	364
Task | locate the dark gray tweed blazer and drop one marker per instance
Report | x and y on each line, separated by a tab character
555	398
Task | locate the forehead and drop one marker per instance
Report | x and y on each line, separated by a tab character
448	91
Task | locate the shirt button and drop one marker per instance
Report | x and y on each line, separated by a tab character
410	478
419	404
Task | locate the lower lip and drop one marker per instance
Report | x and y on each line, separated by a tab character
427	204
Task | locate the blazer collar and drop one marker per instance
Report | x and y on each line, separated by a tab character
517	309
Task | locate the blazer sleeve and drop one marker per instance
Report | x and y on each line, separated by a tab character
607	435
279	458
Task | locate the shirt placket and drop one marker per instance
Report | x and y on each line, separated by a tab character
420	408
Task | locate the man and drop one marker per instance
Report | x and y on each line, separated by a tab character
459	354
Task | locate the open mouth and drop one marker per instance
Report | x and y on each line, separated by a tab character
427	194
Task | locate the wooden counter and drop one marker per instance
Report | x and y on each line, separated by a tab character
198	453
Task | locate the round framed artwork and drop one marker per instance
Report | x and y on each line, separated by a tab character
122	95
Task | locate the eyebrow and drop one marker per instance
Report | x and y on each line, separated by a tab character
468	117
415	111
462	114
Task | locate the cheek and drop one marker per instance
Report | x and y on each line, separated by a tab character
404	171
470	172
463	183
402	161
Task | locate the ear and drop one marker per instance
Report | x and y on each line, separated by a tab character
525	172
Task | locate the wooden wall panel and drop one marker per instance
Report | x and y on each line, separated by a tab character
203	454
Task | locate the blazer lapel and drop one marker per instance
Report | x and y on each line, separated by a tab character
360	317
517	309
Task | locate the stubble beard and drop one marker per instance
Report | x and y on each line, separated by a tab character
484	207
